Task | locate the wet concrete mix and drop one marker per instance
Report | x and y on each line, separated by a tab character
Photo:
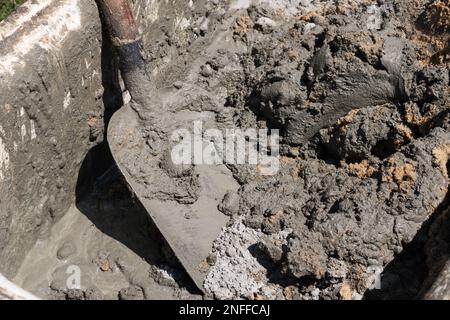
359	93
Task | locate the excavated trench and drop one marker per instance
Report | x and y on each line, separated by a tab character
359	206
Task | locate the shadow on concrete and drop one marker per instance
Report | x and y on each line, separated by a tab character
103	196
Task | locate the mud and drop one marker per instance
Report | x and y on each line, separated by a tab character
109	240
360	174
359	91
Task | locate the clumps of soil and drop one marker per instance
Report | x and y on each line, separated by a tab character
367	134
361	223
436	17
363	155
363	112
433	33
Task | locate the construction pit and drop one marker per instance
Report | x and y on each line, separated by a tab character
358	207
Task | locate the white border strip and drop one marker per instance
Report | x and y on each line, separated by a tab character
12	292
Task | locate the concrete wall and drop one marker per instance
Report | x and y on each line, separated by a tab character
53	62
50	116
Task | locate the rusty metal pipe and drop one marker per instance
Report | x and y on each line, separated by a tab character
120	21
125	37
